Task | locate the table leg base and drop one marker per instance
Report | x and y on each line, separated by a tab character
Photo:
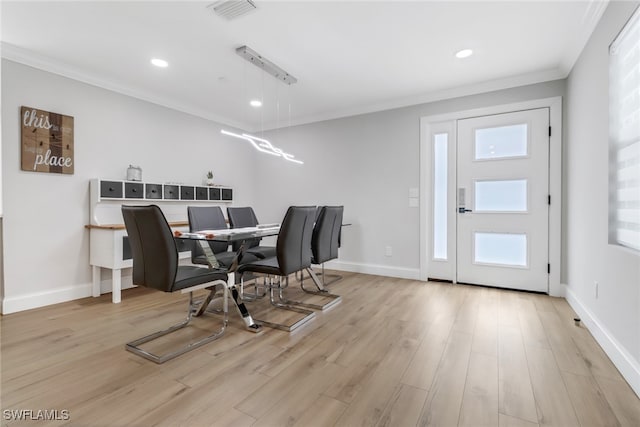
251	325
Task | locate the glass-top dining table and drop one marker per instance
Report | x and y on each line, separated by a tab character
230	235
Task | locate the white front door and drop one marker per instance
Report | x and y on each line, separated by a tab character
503	200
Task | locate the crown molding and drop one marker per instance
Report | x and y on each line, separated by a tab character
29	58
42	62
450	93
590	19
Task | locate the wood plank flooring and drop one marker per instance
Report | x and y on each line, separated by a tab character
393	353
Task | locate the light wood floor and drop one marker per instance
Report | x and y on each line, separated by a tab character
393	353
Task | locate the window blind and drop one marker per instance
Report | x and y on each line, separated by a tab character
624	136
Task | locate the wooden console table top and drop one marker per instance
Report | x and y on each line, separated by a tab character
122	227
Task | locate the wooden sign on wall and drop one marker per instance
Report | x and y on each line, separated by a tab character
47	141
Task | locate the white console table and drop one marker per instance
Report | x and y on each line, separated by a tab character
107	233
106	250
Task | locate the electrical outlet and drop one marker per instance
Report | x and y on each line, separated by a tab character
595	283
388	251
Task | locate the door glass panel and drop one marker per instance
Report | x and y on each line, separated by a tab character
440	196
501	196
500	249
500	142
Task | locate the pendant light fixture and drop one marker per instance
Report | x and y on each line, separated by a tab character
261	144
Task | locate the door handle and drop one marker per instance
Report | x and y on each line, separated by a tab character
463	210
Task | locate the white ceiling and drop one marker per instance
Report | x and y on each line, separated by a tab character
348	57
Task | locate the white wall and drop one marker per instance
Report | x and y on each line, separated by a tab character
46	247
613	316
368	163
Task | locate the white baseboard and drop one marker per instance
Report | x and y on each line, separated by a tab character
626	364
378	270
56	296
41	299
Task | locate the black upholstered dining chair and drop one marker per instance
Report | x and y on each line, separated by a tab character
293	254
211	218
324	247
325	239
155	266
246	217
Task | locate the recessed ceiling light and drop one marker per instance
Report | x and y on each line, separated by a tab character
464	53
255	103
159	62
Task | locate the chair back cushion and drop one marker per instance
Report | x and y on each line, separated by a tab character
326	233
243	217
206	218
155	256
293	249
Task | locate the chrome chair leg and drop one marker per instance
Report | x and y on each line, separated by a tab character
277	301
133	346
334	299
256	295
334	277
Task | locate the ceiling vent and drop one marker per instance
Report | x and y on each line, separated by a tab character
232	9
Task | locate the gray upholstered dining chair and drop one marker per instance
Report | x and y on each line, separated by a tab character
246	217
155	266
293	254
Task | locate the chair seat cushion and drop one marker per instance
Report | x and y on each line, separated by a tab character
267	266
262	252
190	275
